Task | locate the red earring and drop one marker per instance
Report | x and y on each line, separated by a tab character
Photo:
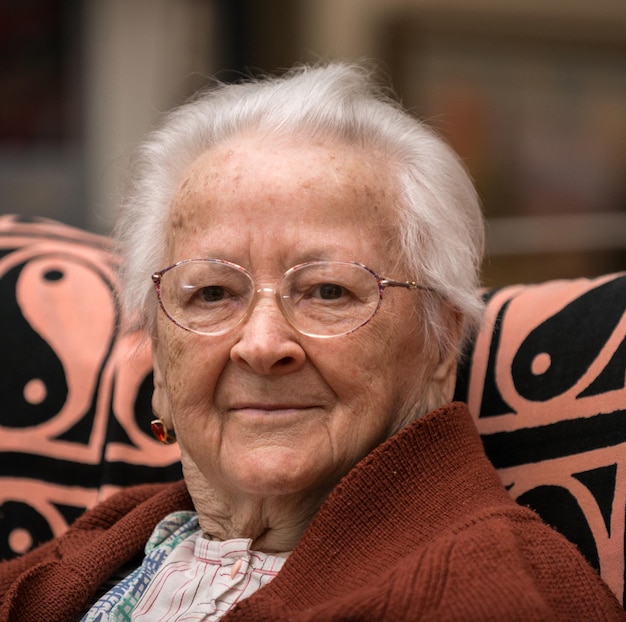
161	432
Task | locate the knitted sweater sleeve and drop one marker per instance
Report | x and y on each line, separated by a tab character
12	569
507	566
57	580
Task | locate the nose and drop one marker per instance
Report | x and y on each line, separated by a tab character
267	343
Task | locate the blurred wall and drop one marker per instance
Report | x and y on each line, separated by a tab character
141	58
351	28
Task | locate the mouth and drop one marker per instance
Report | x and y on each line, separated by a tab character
275	416
265	410
271	408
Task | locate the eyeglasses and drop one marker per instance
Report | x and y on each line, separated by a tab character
318	298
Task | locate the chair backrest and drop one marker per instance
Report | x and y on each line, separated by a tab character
545	380
75	386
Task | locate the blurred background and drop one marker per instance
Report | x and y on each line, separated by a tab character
532	94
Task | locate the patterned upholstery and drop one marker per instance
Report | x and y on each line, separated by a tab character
545	379
75	386
546	382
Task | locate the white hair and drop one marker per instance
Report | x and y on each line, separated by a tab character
440	227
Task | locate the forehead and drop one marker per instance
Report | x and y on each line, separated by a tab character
286	185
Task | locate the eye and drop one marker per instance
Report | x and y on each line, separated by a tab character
330	291
212	293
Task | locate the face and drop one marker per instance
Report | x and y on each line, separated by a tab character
264	410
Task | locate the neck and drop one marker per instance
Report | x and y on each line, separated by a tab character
275	524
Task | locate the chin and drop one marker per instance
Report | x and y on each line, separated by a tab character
275	479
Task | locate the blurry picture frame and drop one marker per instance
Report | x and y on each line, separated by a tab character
536	108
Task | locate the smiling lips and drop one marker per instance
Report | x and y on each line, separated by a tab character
270	409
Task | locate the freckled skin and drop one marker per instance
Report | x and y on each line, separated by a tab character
268	205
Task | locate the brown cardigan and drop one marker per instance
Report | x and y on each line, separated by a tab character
421	529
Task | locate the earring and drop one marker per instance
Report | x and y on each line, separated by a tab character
161	432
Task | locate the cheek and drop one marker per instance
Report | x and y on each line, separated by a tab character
191	369
396	370
372	374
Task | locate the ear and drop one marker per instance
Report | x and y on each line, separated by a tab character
443	378
160	398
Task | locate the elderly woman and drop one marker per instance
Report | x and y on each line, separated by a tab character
304	255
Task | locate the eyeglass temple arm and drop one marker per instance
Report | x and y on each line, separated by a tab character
405	284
